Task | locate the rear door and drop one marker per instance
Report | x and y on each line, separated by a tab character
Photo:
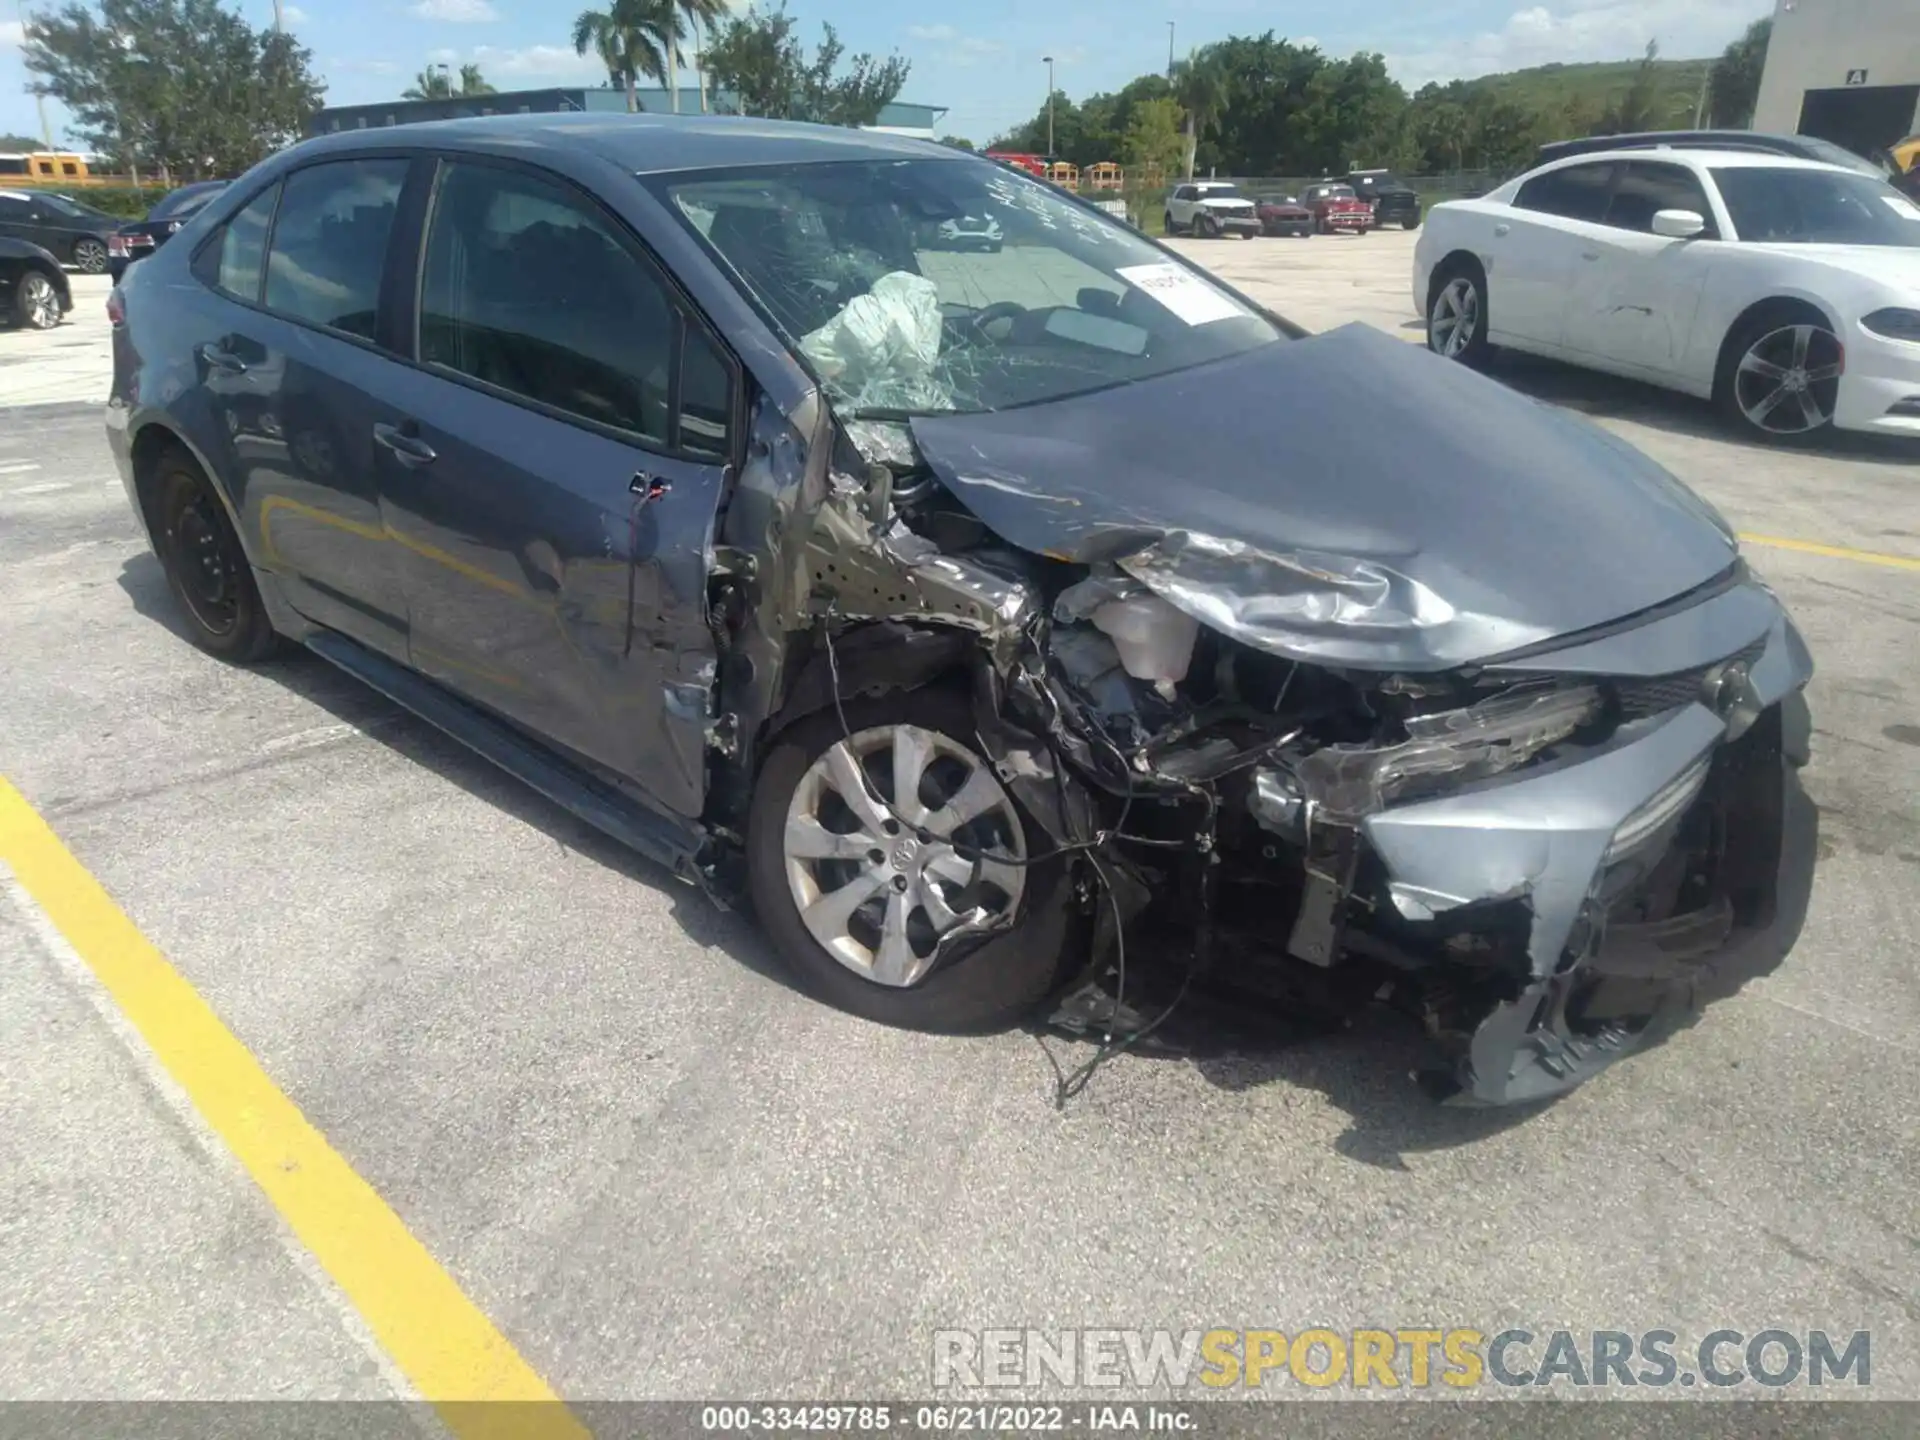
1634	293
555	475
1536	246
295	363
16	218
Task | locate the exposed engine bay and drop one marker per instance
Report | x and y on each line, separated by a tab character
1548	867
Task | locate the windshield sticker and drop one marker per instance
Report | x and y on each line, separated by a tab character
1902	206
1181	292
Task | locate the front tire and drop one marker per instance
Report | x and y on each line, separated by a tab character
1412	222
1167	227
1779	378
1457	313
36	304
1206	226
208	572
904	939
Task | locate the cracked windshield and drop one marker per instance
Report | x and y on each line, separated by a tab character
928	286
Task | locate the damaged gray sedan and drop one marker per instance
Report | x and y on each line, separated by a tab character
957	609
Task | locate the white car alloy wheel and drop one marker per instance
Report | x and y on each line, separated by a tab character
1455	318
1788	380
881	887
39	305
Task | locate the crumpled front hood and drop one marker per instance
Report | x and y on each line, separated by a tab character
1348	498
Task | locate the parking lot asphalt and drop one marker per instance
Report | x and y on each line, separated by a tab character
660	1172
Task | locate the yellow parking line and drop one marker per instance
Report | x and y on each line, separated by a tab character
1834	552
447	1349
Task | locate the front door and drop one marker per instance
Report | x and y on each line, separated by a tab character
1634	293
554	479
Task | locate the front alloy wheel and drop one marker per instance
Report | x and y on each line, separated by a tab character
37	302
1454	320
891	867
1787	381
882	887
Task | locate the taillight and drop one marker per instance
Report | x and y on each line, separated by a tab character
116	308
117	245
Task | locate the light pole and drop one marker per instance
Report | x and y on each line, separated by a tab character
1170	52
1049	60
447	70
40	101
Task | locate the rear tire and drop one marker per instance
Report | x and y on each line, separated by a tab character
799	812
208	572
1412	222
89	256
36	304
1456	298
1167	227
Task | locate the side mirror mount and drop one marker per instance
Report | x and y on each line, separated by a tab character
1679	224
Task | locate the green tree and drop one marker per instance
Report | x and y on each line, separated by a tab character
758	60
1152	150
182	87
1639	109
436	82
1733	85
958	142
16	143
632	38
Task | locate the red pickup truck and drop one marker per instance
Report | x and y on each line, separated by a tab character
1336	209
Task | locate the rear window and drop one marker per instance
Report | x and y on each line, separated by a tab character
1578	192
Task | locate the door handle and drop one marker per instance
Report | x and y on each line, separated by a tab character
1502	229
407	446
220	358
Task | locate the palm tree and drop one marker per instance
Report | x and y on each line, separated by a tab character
431	83
1201	90
436	83
632	38
701	15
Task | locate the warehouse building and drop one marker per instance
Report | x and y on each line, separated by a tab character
1845	70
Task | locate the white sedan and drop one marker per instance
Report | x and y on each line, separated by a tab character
1787	291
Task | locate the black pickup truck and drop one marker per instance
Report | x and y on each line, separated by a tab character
1394	201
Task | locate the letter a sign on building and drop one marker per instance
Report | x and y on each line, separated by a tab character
1856	77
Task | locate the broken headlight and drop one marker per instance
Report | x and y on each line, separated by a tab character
1490	738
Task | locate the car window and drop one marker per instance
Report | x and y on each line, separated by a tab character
528	287
1185	192
835	256
1779	206
14	210
231	261
329	244
1645	188
1579	192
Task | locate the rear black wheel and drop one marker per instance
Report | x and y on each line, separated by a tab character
89	256
207	570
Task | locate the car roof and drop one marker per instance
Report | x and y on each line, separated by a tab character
648	143
1719	159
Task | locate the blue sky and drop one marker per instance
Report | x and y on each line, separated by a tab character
982	59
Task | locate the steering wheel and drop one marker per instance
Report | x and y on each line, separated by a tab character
974	326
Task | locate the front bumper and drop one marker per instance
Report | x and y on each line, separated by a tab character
1880	390
1628	925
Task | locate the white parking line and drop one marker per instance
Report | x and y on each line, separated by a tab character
47	489
18	467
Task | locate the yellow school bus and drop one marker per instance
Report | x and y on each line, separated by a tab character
50	167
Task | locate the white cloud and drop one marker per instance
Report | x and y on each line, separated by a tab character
457	12
293	15
534	62
1571	31
960	49
12	32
